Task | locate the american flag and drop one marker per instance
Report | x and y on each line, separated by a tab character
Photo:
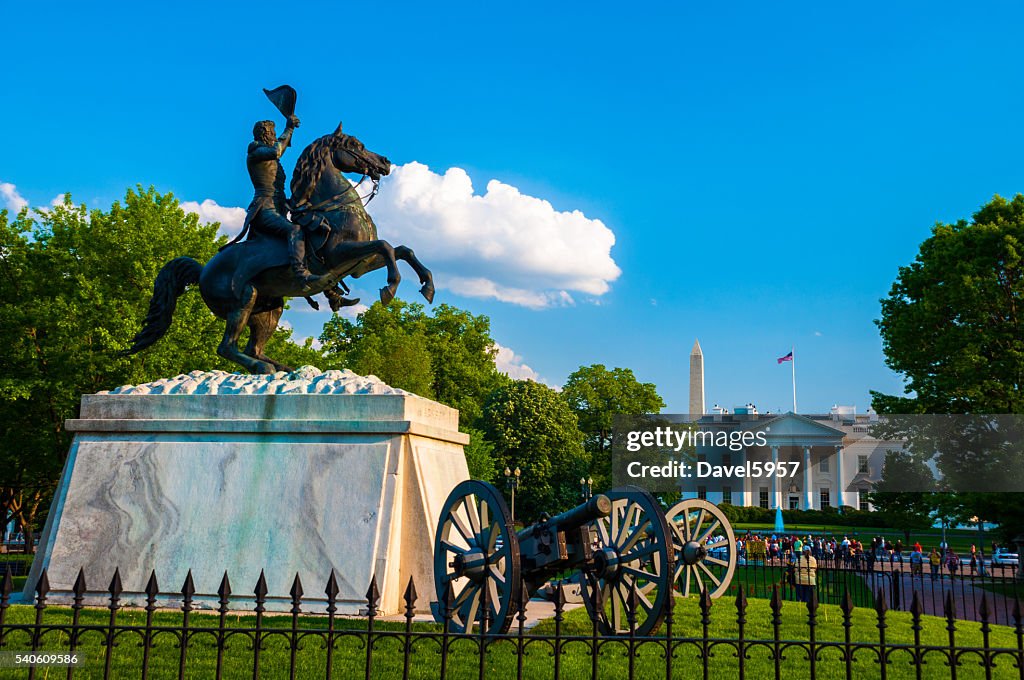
788	357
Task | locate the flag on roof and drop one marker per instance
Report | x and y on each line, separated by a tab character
788	357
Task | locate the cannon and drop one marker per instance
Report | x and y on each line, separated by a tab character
620	542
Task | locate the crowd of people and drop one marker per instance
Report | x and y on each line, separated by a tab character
847	552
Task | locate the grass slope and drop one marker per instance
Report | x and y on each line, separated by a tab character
500	662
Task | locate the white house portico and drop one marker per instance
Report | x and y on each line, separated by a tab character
837	460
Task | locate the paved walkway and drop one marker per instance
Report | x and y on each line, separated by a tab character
967	598
536	611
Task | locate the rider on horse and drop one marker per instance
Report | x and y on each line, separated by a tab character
269	206
266	212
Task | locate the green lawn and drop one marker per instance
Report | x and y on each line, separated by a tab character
19	581
757	581
500	662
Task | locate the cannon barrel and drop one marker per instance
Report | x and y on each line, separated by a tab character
599	505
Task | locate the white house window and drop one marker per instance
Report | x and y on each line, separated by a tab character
727	494
763	496
702	493
823	464
862	499
862	464
825	497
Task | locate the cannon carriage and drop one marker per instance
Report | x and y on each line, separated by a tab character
629	556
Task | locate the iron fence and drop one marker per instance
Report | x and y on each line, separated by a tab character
406	650
899	581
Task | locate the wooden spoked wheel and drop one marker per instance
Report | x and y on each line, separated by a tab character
476	551
705	547
632	562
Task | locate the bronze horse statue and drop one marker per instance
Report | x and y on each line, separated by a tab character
246	283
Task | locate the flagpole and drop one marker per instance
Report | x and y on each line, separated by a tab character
792	351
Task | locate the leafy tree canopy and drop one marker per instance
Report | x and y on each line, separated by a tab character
533	428
899	493
953	322
447	355
597	395
952	325
75	287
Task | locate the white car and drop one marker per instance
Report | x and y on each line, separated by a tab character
1003	557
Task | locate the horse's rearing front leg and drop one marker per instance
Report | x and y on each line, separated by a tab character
426	278
387	253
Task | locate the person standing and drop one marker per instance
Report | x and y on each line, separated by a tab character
935	561
806	568
952	563
916	562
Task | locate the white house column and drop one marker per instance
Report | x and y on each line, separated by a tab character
840	477
739	496
776	491
808	491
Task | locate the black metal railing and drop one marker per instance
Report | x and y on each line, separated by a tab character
788	640
838	577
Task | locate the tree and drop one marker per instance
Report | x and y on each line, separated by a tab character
480	456
286	350
900	493
462	357
597	395
447	356
953	326
534	429
953	323
388	341
75	287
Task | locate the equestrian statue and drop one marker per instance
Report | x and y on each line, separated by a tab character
302	246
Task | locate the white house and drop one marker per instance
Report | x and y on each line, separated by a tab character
838	459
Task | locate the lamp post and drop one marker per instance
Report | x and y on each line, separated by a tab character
586	488
512	483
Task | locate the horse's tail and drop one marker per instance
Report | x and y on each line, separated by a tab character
170	284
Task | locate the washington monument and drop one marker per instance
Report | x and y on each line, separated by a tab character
696	381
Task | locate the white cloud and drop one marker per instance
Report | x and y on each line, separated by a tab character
13	201
353	311
512	365
58	200
502	244
485	288
231	219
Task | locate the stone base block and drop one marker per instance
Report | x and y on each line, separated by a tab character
283	484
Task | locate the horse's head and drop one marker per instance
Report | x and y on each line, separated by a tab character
352	156
345	153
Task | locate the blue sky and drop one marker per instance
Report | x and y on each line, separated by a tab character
764	168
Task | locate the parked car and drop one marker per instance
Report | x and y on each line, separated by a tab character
1003	557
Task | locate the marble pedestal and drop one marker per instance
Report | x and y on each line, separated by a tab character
274	478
